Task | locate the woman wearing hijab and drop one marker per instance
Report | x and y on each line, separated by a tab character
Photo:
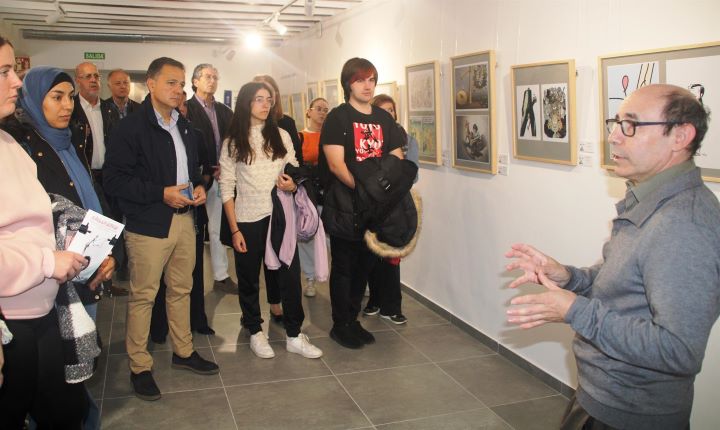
47	103
32	375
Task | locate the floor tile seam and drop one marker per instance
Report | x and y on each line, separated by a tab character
132	396
527	400
473	395
222	383
467	357
436	416
277	381
403	366
362	411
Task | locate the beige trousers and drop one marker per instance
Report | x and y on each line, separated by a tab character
148	258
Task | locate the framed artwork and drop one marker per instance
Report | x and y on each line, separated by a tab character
297	101
423	91
285	102
312	91
332	92
693	67
473	112
544	112
391	89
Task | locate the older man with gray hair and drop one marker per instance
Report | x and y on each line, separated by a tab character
212	119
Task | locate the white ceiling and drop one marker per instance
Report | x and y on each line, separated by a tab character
215	21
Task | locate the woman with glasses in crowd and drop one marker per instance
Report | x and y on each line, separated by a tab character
286	123
310	141
252	162
32	368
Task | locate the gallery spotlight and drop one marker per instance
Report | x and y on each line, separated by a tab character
55	15
275	24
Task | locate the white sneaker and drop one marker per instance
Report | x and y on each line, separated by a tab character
310	290
301	345
260	346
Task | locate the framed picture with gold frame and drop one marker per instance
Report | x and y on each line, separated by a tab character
543	101
694	67
332	92
473	112
285	102
312	91
297	101
423	95
391	89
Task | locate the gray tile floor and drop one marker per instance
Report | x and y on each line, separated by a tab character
427	374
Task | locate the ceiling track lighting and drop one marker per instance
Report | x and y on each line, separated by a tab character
55	15
273	23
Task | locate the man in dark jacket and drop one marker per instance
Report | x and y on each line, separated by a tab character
119	102
152	168
92	118
212	119
353	132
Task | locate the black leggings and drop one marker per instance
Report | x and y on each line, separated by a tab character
286	280
34	378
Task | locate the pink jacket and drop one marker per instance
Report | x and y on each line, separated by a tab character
27	237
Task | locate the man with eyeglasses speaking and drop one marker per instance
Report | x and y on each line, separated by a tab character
643	315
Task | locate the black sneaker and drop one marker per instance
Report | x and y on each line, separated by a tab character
195	363
144	386
371	310
345	336
361	333
395	319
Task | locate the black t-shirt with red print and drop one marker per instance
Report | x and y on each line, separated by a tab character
363	136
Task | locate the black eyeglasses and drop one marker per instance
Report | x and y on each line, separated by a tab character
627	126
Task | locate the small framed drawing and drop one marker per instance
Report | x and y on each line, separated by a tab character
543	103
473	112
693	67
423	90
285	102
332	92
391	89
312	91
297	101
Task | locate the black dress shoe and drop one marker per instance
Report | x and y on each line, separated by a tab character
195	363
361	333
344	334
205	330
144	386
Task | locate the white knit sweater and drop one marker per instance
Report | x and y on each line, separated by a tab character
255	181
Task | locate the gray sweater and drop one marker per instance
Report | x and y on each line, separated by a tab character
643	316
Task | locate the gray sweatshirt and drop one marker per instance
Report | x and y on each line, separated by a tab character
643	316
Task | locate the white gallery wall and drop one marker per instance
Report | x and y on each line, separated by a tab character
471	219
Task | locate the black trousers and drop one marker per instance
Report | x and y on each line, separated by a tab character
198	318
286	280
351	264
34	378
384	285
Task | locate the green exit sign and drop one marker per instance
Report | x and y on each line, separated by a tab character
94	55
